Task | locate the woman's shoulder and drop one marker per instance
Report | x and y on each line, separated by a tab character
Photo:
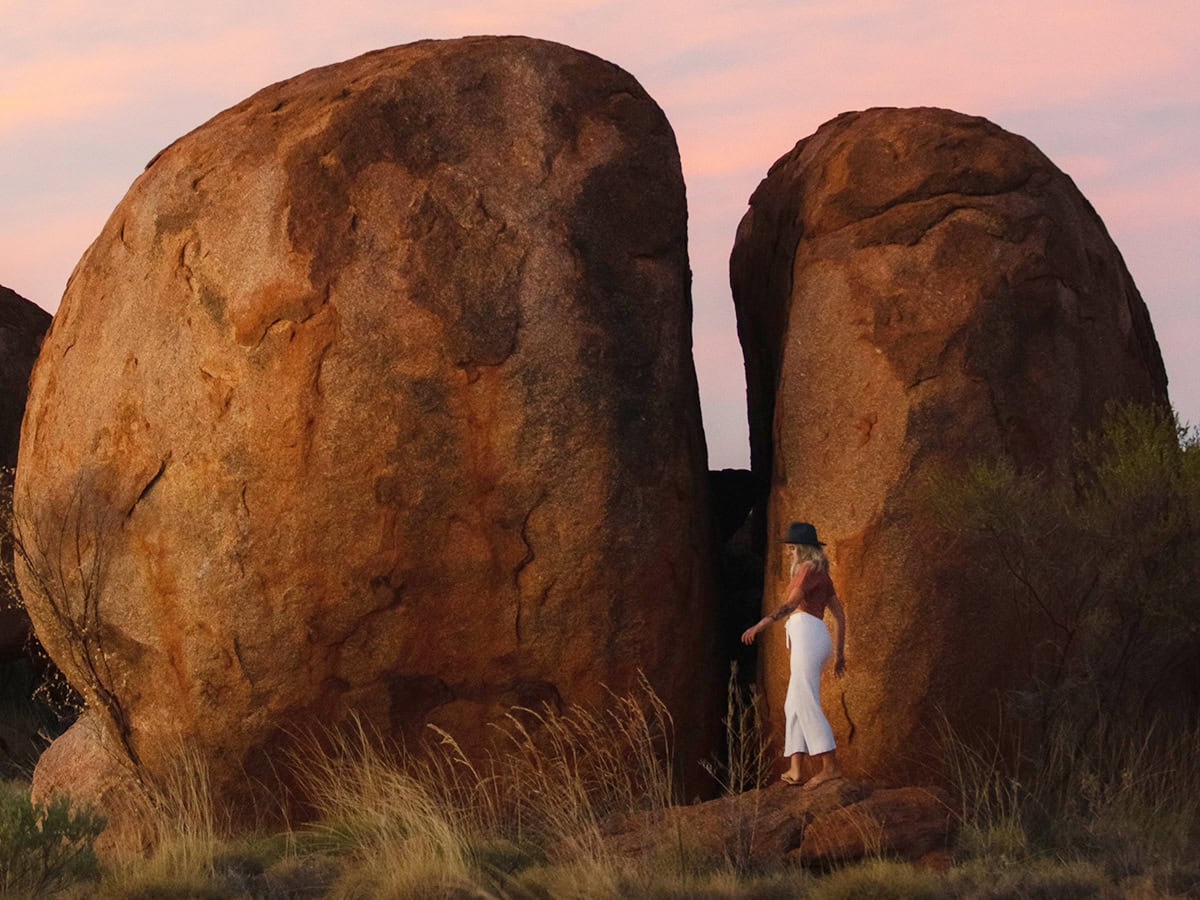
803	572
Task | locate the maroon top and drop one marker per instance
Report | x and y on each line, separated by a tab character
814	588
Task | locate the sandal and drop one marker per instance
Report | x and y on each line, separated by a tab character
788	779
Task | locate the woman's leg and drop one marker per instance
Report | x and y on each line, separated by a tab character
806	728
793	771
830	769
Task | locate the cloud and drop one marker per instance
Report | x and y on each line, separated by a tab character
39	254
87	85
89	91
38	94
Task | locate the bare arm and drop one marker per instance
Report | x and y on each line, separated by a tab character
839	616
785	609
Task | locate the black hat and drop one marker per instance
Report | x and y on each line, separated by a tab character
802	533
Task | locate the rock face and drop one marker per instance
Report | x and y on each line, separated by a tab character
376	393
917	288
837	823
22	326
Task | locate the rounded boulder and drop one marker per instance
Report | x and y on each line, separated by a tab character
917	289
375	394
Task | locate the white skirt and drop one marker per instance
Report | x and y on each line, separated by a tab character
806	730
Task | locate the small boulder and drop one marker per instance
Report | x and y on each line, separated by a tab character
838	822
88	765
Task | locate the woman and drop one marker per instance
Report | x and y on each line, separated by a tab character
809	594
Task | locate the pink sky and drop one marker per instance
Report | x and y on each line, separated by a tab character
90	92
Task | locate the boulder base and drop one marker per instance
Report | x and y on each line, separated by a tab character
88	765
837	823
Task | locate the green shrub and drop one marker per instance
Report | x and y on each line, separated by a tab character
44	848
1096	757
1103	559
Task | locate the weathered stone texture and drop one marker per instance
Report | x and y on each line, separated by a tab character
916	288
379	388
837	823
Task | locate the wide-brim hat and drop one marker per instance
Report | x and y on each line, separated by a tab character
802	533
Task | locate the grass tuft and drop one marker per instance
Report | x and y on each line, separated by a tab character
528	821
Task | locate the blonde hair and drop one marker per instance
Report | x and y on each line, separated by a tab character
809	553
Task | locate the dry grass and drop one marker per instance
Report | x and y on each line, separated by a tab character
522	820
374	806
1118	814
747	764
528	819
750	758
176	816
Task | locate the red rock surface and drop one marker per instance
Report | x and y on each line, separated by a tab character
96	772
839	822
909	823
376	393
917	288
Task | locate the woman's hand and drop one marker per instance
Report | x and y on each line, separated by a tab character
839	667
750	634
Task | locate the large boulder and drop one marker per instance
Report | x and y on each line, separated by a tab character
375	394
22	326
916	288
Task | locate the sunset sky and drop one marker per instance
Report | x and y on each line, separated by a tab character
91	90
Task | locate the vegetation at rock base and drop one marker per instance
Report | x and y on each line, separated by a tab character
1091	788
1098	758
44	848
528	823
1103	560
36	702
